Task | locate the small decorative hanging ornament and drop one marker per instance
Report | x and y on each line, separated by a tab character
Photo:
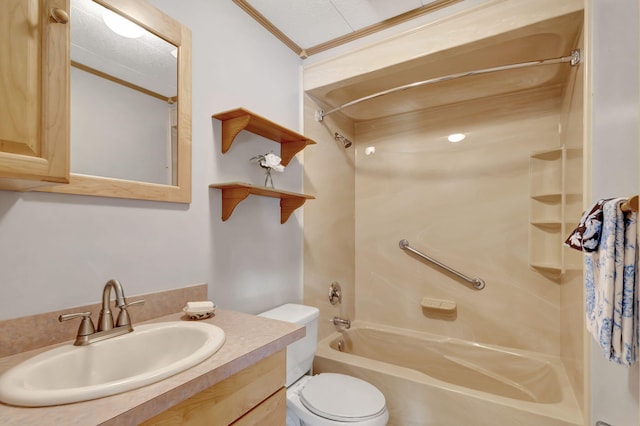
269	161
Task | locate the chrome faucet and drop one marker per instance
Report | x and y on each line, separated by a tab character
340	322
87	332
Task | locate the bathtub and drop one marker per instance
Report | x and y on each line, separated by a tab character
432	380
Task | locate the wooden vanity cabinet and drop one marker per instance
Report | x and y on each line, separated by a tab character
253	396
34	93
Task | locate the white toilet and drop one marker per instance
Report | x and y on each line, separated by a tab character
325	399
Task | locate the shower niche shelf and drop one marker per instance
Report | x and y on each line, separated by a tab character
235	192
555	203
236	120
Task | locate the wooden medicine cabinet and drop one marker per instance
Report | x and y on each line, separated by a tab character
89	75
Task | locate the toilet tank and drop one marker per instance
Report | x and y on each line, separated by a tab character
301	352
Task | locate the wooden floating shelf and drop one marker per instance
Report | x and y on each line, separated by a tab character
234	192
234	121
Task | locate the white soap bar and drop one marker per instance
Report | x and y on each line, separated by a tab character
204	306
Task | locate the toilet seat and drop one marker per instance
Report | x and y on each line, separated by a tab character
342	398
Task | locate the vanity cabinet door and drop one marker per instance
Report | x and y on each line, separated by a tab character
34	93
254	396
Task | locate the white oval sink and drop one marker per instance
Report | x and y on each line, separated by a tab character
150	353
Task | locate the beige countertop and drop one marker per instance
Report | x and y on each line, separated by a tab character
249	339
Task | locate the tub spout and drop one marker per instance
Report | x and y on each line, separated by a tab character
340	322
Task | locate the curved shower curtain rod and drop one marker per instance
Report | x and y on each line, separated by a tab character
573	59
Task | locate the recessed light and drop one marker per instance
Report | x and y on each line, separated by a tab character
370	150
456	137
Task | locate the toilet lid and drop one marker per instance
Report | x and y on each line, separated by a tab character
342	398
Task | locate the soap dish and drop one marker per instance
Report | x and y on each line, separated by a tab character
199	313
438	304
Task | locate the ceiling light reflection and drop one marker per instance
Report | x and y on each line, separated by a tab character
456	137
121	25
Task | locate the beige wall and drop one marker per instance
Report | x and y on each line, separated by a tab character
329	221
572	329
466	205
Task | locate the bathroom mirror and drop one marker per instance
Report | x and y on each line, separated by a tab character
130	76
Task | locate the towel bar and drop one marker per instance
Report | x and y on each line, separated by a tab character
478	283
631	205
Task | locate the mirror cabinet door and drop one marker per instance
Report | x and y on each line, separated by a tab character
130	73
34	107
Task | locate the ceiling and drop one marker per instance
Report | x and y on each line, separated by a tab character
312	26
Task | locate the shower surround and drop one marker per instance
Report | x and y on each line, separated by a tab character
466	204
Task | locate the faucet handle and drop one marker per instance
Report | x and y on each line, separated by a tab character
123	316
135	302
86	325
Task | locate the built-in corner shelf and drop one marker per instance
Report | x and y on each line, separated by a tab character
234	192
555	205
234	121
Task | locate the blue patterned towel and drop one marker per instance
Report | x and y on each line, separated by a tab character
610	279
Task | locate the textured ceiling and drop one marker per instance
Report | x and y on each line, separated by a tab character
312	22
310	26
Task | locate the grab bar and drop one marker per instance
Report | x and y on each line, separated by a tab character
478	283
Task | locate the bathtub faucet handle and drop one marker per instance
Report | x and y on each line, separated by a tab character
340	322
335	293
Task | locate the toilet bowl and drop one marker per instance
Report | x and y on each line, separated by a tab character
326	399
316	401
